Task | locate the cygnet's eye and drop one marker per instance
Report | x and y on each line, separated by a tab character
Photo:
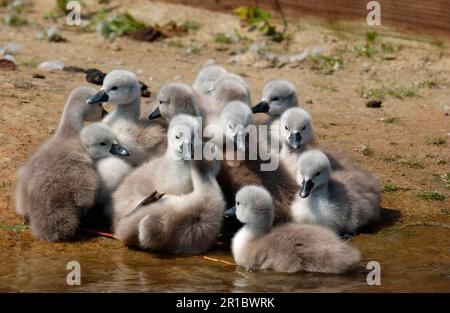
237	203
102	143
160	102
318	173
285	127
275	98
230	126
114	88
177	137
304	127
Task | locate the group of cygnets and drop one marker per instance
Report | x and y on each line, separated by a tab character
141	173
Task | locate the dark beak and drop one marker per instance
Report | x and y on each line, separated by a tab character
116	149
306	188
261	107
104	112
295	139
230	212
155	114
99	97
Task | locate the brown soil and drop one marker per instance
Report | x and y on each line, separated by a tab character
30	108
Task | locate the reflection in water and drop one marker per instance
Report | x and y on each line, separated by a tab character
412	259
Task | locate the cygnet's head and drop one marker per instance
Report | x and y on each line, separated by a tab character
207	77
234	121
313	171
183	137
295	128
230	87
100	142
173	99
119	87
79	97
254	207
277	97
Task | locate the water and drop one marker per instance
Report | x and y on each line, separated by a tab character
415	258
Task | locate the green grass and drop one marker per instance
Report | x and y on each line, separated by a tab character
15	228
50	15
325	87
412	163
437	141
14	20
381	93
400	93
322	62
390	188
432	196
175	44
389	158
371	36
365	51
119	25
195	50
373	45
429	83
256	18
387	48
31	63
223	39
191	25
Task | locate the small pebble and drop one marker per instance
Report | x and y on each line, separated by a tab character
389	57
54	65
374	104
11	48
39	76
7	65
95	76
9	57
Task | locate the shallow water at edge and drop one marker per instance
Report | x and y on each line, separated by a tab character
412	259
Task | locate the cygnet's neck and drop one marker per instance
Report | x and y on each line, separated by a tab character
175	162
72	120
129	112
258	228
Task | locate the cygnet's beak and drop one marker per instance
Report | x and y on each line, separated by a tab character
230	212
295	139
155	114
261	107
104	112
99	97
117	149
306	188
